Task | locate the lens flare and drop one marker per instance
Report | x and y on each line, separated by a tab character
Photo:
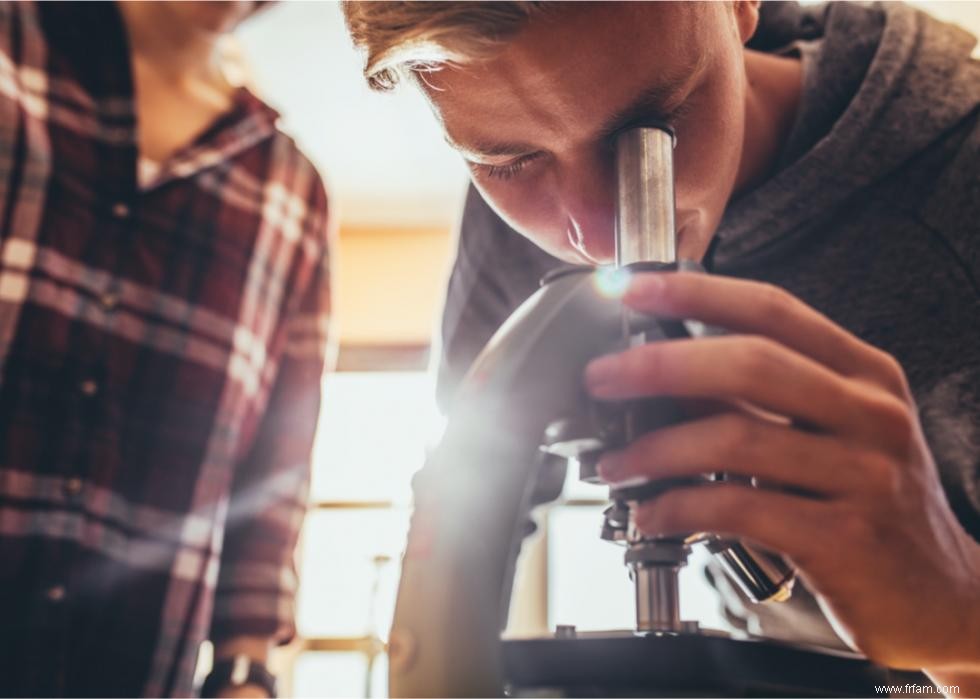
612	282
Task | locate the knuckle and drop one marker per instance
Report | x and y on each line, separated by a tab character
892	373
776	303
894	418
756	354
755	358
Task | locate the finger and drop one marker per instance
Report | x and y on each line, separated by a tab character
735	368
777	521
752	307
739	444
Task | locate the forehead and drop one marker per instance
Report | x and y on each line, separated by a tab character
569	68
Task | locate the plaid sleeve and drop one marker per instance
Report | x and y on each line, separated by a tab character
257	581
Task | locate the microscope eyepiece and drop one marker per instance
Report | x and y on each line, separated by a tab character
645	196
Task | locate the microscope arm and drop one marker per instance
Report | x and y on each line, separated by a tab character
473	495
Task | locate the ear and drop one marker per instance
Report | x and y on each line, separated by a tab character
746	18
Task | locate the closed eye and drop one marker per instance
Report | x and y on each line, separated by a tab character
505	171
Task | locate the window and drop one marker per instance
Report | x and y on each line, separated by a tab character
372	437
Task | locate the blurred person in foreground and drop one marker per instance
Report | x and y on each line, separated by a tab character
163	309
827	170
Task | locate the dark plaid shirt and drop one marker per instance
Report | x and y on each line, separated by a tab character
161	348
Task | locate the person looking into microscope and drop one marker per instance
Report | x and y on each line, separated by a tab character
826	171
163	300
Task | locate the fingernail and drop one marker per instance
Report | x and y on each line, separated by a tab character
600	374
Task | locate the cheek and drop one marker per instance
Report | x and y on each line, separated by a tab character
529	208
708	153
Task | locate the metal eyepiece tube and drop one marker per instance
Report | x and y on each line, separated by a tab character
645	196
645	233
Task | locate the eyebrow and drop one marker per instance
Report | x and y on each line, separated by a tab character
483	149
652	99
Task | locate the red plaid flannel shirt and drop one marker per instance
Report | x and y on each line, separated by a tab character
161	349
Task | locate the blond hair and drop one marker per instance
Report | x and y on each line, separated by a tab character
402	38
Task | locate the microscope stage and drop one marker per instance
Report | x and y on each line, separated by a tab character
696	664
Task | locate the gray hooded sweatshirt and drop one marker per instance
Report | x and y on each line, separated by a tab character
872	217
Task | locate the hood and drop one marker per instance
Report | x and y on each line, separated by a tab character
911	79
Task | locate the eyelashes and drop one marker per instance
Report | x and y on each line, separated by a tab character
504	172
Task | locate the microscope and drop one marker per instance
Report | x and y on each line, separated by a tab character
521	415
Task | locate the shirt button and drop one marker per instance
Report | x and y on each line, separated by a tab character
55	593
88	387
120	210
109	300
73	486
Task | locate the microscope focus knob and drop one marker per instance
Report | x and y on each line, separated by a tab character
615	522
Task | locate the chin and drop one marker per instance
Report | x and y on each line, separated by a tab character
565	253
573	257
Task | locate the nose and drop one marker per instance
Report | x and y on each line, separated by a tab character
587	191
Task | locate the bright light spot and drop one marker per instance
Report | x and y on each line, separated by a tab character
349	567
612	282
373	434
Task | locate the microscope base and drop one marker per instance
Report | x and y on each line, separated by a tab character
621	664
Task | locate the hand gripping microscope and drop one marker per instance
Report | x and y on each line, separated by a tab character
521	412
